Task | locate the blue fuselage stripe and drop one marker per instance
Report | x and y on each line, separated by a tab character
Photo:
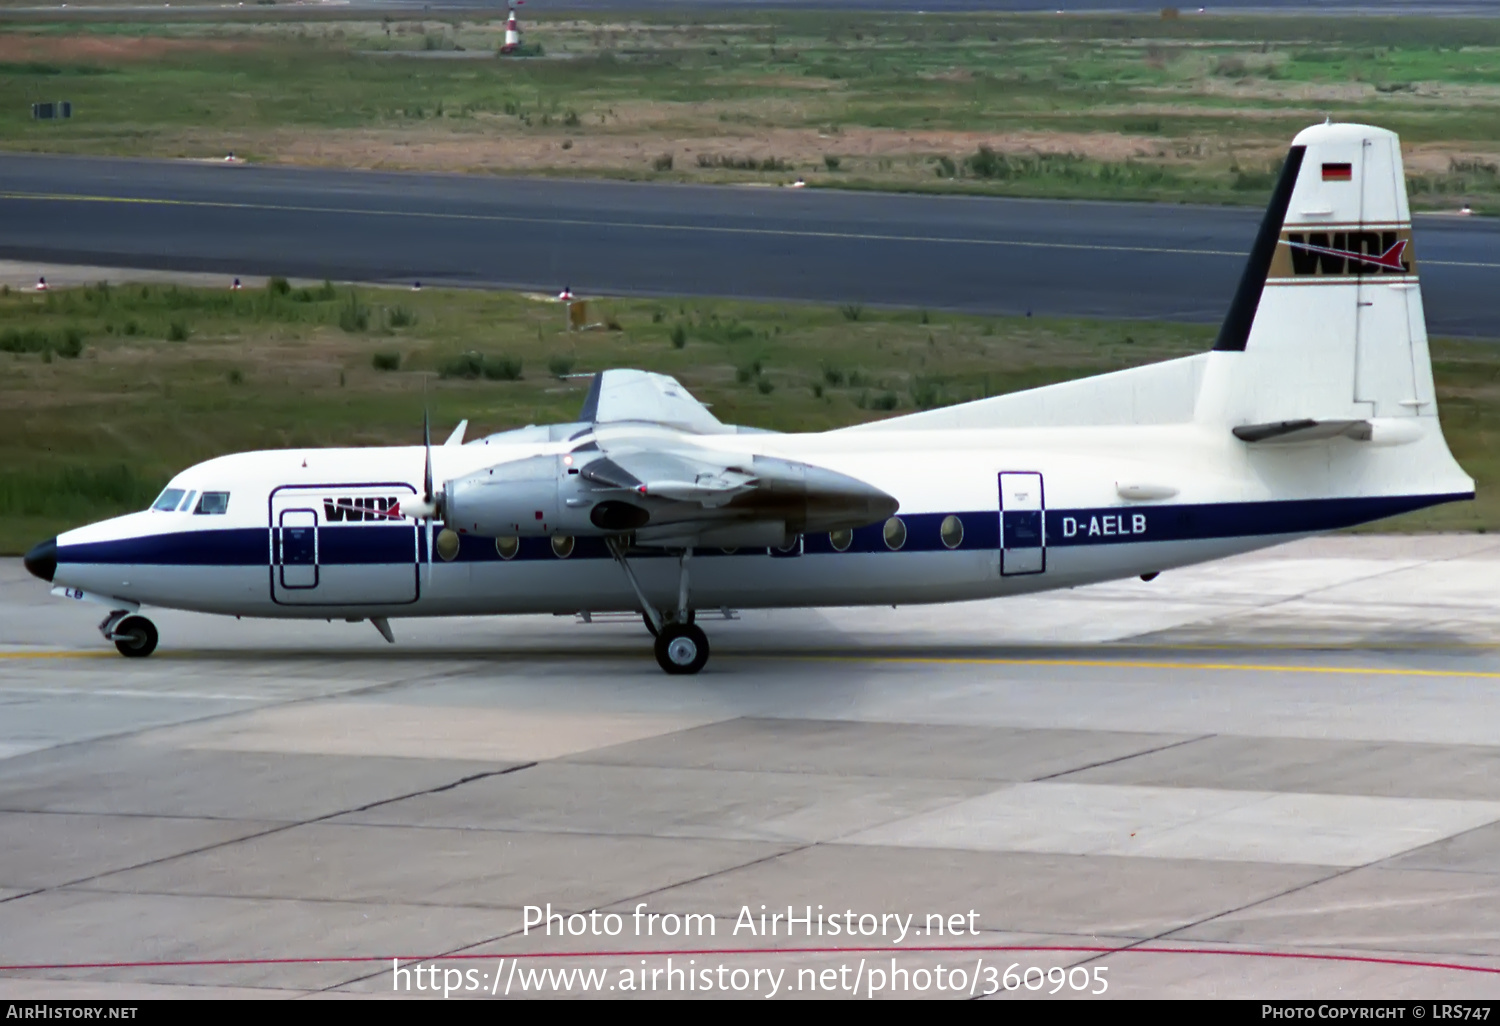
384	544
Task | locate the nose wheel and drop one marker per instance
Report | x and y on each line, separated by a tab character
681	648
135	637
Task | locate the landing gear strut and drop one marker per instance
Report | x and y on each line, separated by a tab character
681	645
134	636
646	619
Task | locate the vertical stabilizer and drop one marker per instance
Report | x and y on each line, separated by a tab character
1327	323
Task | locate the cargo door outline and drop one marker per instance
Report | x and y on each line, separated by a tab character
351	570
1023	523
297	549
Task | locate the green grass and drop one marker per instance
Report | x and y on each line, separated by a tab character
100	434
1107	106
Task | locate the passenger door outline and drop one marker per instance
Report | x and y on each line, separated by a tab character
297	549
1023	523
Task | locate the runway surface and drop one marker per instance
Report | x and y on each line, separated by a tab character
1274	777
958	253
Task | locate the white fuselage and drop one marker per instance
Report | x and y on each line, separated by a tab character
1039	508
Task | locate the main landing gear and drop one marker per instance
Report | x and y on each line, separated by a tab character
682	648
134	636
681	645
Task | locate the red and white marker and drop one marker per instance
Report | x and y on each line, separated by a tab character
41	284
236	286
566	294
512	34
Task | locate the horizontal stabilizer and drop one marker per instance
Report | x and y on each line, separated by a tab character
1376	431
1304	430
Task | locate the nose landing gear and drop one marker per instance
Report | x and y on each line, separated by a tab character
134	636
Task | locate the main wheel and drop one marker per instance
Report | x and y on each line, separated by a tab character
135	637
682	648
692	615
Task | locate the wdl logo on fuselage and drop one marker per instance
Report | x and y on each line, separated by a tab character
367	509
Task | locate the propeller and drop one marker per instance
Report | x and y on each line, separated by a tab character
427	496
428	499
427	508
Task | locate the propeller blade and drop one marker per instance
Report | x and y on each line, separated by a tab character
427	466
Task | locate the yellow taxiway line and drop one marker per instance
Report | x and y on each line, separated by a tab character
1102	664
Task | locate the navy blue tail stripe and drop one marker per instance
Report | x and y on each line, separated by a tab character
349	544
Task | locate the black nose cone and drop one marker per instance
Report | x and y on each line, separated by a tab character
42	559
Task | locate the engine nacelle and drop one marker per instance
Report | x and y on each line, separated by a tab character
659	494
535	497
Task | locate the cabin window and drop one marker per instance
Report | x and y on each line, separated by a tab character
507	547
447	545
952	532
841	540
213	503
895	533
167	501
562	546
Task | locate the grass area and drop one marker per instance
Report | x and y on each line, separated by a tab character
110	391
1137	107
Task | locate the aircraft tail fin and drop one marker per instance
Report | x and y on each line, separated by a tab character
1325	340
1327	322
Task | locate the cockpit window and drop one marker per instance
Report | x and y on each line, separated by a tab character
187	503
213	503
167	501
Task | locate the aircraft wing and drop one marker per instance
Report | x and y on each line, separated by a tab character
622	396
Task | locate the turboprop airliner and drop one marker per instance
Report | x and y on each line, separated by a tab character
1314	411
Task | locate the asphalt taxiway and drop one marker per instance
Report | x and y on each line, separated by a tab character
1278	776
982	255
